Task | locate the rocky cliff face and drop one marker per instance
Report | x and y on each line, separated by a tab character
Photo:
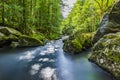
106	50
110	23
106	53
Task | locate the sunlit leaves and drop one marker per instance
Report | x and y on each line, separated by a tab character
86	15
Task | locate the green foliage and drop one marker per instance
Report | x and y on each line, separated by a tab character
39	36
78	46
85	15
32	17
103	6
83	41
82	17
78	42
82	22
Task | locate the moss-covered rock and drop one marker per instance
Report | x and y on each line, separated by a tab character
25	41
106	53
106	50
78	42
8	31
13	38
110	23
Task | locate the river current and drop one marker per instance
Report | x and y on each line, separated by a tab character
48	62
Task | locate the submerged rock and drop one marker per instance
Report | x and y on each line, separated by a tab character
110	23
106	53
12	38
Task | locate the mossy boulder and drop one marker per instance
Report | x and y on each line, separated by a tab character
78	42
12	38
110	23
8	31
106	54
25	41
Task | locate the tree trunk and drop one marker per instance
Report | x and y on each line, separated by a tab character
101	14
31	12
3	12
24	17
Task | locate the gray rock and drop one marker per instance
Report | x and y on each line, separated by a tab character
106	49
106	53
10	37
110	23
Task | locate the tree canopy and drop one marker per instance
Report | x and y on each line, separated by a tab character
31	16
85	15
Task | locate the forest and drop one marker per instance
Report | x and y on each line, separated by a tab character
89	24
37	18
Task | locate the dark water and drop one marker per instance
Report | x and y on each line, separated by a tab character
48	62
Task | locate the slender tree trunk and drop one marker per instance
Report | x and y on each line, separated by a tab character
3	13
101	13
107	3
24	17
31	12
101	10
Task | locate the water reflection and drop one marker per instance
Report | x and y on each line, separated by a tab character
65	67
79	68
34	69
28	56
48	62
48	73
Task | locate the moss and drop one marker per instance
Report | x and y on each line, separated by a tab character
77	45
108	49
6	31
29	41
39	36
1	34
13	38
79	42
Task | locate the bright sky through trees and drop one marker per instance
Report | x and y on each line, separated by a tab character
69	5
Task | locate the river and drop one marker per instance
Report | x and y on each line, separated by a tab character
48	62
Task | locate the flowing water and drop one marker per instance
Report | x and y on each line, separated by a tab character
48	62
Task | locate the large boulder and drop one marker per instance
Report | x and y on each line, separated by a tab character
110	23
106	49
106	54
12	38
25	41
8	31
78	42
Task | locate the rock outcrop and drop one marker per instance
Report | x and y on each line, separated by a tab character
12	38
110	23
106	50
106	53
78	42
